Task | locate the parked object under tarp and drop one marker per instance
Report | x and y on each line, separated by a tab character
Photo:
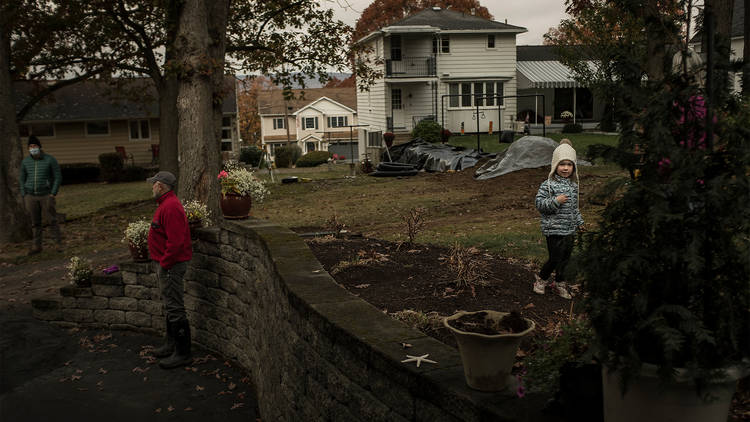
528	152
434	157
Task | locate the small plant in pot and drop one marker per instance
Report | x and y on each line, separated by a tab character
388	137
79	271
488	342
136	236
239	189
197	214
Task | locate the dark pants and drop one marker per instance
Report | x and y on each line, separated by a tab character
559	248
172	291
38	205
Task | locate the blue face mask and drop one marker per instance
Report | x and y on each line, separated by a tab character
34	151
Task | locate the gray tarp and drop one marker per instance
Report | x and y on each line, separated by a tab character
525	153
437	157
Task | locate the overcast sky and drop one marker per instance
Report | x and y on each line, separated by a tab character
537	16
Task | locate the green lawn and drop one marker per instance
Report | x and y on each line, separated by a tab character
80	200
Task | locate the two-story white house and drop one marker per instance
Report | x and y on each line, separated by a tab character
455	68
321	120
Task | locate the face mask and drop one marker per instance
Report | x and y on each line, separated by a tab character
34	151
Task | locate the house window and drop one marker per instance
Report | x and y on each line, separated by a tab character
226	133
453	91
445	44
396	47
396	99
479	94
490	41
278	123
97	128
490	93
466	94
374	139
41	130
338	121
309	123
500	91
140	129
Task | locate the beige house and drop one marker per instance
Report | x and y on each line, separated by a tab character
320	121
77	123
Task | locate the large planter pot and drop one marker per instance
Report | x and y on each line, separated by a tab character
647	400
139	254
487	358
235	207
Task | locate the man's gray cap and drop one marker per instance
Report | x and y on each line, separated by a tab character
164	177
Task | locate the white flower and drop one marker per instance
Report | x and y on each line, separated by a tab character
137	233
196	210
79	270
240	181
566	115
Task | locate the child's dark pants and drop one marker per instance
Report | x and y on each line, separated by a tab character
559	248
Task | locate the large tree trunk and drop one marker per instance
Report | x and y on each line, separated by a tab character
168	125
15	225
746	54
655	44
722	10
200	49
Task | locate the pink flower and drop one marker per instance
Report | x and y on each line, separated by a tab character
223	175
664	163
701	182
520	391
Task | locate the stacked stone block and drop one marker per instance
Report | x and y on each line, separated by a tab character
255	293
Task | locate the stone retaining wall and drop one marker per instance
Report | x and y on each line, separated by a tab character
256	294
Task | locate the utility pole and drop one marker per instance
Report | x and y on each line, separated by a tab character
286	123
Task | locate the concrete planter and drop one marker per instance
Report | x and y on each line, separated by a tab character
487	359
647	400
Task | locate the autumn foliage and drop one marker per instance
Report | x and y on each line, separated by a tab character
381	13
247	99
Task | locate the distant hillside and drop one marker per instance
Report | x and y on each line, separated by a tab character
313	83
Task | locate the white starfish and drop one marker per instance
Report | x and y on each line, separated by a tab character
418	359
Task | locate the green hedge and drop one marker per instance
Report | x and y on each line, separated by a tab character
79	173
428	130
111	166
133	174
313	158
285	156
252	155
572	128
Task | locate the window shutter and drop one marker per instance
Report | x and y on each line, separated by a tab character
316	122
346	121
274	123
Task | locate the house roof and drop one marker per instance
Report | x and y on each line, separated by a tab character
547	74
99	100
272	101
451	20
324	98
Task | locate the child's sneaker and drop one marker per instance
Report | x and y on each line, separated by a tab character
562	290
539	285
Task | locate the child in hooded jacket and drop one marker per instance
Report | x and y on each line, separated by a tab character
557	201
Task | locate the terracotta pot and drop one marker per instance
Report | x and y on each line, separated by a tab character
139	254
648	400
487	359
235	207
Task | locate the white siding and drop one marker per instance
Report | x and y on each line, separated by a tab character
371	108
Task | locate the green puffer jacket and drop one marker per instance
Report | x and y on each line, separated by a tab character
559	220
40	176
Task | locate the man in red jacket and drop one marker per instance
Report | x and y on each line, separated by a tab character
169	246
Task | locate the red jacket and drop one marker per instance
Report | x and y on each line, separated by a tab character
169	235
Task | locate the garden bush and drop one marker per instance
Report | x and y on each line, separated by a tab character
285	156
111	165
313	158
133	174
572	128
428	130
252	155
79	173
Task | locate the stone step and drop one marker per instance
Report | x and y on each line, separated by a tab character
114	279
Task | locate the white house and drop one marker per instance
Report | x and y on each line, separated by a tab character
737	44
321	119
444	65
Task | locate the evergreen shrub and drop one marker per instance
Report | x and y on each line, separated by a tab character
79	173
572	128
313	158
429	130
111	165
252	155
286	156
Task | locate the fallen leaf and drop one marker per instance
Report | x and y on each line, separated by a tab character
199	388
145	379
75	377
188	409
405	345
102	371
362	286
82	389
237	406
529	306
157	410
232	386
170	408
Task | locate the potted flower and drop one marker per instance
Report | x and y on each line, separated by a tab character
667	270
445	135
136	236
566	116
79	272
239	188
197	214
488	342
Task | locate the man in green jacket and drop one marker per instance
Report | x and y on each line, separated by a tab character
40	181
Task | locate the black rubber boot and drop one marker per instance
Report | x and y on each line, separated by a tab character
169	343
181	355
